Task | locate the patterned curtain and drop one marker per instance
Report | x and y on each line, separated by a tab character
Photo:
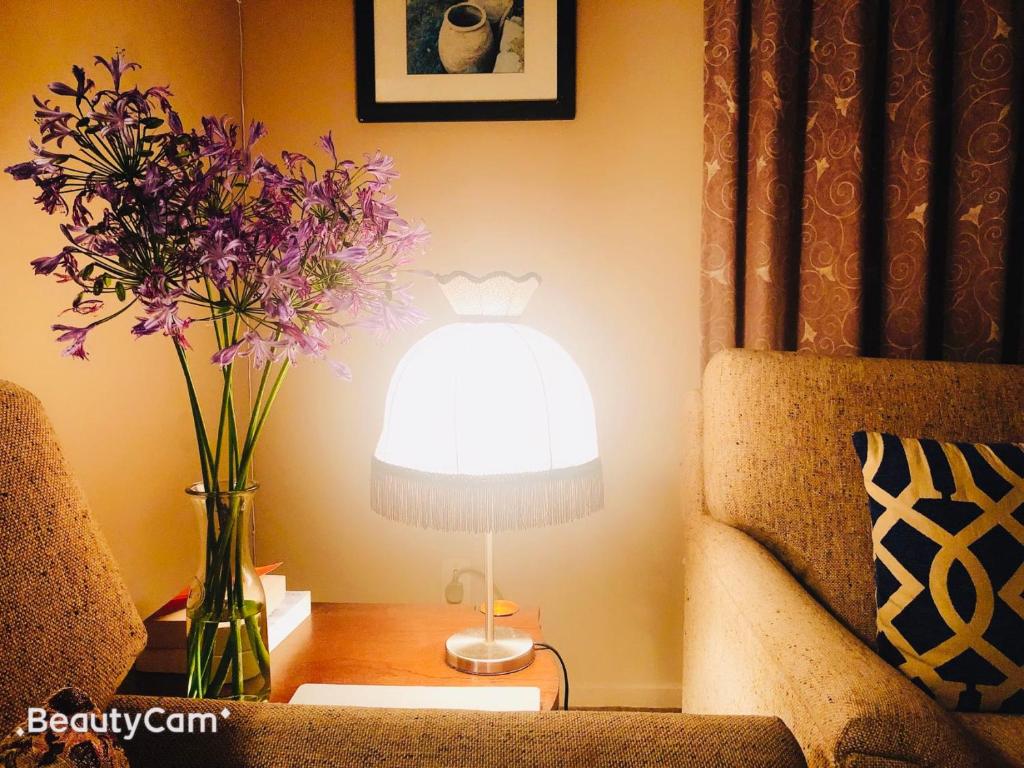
862	190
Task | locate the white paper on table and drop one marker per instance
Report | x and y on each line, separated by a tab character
497	698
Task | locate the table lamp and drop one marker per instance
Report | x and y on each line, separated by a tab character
488	426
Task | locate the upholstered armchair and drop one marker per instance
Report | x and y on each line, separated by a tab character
66	618
780	611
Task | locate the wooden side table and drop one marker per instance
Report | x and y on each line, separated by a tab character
378	644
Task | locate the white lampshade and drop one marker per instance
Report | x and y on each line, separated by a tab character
487	399
488	425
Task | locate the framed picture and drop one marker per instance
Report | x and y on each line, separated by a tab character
426	60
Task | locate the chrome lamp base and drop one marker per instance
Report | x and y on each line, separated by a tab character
469	651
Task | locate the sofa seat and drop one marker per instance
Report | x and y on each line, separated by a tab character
1003	735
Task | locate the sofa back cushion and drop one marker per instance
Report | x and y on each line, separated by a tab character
65	615
779	463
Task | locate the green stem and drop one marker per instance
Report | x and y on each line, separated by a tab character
205	459
221	423
256	424
229	405
219	674
239	594
237	678
202	637
224	597
256	640
232	440
257	400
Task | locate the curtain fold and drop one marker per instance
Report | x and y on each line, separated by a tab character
863	191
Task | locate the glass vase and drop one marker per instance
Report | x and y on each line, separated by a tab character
226	648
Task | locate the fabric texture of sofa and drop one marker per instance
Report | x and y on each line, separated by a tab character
66	619
65	614
780	610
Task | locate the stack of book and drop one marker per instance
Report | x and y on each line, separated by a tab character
165	646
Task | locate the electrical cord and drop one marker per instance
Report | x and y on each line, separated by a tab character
565	671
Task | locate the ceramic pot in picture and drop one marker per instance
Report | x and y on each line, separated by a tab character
466	42
496	10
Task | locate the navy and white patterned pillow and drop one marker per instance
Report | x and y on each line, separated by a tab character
948	536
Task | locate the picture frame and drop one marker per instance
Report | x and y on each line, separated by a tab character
404	70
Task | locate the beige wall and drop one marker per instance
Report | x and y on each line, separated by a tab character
123	415
606	208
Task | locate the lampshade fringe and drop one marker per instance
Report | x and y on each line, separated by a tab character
488	502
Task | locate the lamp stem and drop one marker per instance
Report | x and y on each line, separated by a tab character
489	563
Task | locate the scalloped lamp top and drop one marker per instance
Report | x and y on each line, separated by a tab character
498	294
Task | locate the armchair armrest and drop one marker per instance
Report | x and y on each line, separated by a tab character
285	735
756	642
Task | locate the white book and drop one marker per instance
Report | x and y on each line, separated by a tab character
167	632
274	587
281	622
491	698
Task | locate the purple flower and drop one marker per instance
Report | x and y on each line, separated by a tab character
53	122
116	119
381	167
405	237
282	281
154	181
327	144
85	307
117	66
47	264
82	86
76	339
195	224
218	254
227	355
278	311
160	301
350	255
163	317
342	300
50	194
257	130
47	161
221	139
61	89
388	316
293	160
377	211
79	213
300	341
262	350
340	369
22	171
173	121
162	95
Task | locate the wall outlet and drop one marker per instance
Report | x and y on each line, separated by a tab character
456	585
